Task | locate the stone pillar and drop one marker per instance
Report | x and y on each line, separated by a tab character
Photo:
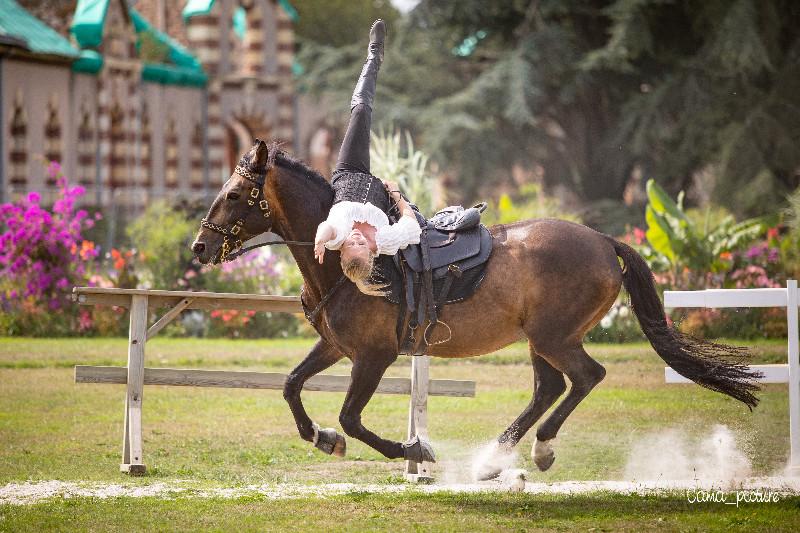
205	33
285	59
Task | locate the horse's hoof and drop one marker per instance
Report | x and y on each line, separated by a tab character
487	472
543	454
490	460
417	450
340	448
330	442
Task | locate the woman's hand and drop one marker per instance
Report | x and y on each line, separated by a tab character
319	251
393	189
325	232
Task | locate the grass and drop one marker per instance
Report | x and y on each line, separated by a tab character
358	511
52	428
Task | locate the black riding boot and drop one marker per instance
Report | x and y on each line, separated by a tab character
364	93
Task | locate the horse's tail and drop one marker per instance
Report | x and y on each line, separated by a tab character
714	366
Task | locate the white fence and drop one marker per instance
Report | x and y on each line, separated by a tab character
135	375
788	373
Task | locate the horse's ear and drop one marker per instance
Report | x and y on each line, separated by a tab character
259	153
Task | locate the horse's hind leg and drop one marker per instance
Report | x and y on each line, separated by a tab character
584	373
322	356
548	386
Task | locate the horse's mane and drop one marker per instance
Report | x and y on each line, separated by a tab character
296	166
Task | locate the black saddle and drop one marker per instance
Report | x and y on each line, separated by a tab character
447	266
465	241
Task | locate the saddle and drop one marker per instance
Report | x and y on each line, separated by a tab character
447	266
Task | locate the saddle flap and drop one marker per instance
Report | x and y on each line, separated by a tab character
445	248
484	240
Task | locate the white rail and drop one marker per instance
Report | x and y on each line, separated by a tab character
788	373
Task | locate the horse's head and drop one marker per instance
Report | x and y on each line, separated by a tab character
240	210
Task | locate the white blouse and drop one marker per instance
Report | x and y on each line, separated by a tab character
389	237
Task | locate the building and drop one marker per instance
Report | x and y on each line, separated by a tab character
119	100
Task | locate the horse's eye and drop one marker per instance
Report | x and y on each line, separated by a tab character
233	196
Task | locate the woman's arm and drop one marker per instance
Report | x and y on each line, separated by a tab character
325	232
402	205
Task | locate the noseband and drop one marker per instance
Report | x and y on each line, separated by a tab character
257	175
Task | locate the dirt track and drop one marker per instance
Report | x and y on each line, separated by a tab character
33	492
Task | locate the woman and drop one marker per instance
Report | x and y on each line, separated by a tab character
358	225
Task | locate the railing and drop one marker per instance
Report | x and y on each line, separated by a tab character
135	375
781	373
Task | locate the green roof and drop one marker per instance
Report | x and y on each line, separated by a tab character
90	62
240	21
165	60
176	53
87	24
173	75
203	7
39	38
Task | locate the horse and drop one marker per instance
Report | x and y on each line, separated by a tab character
548	281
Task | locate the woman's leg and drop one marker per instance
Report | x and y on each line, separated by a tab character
354	153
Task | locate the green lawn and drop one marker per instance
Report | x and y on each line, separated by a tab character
358	511
52	428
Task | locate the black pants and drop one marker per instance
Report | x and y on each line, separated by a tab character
354	153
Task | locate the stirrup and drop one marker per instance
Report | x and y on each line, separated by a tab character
429	326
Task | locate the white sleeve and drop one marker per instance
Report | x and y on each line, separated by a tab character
389	239
341	220
342	216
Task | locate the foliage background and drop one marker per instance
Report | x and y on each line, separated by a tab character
594	93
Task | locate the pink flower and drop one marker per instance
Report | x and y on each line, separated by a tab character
54	168
84	320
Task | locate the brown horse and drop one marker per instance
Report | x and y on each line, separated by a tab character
549	281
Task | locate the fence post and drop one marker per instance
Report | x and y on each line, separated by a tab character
132	460
418	415
794	376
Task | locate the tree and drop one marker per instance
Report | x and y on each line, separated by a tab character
592	90
337	22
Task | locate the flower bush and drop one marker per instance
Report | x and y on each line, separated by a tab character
261	271
693	249
42	256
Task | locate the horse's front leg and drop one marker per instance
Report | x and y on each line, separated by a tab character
322	356
365	377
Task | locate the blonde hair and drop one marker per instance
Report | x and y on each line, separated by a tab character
360	272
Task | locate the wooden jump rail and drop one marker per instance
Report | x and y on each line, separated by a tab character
780	373
135	375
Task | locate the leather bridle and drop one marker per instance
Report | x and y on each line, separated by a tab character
231	249
258	177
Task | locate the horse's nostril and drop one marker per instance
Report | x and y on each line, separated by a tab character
198	248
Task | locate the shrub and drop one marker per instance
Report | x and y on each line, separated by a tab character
407	166
693	252
531	202
161	237
42	256
261	271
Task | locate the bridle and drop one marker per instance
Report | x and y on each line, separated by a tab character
233	249
258	176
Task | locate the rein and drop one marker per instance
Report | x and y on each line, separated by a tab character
241	251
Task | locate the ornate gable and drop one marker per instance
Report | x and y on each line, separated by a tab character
119	35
